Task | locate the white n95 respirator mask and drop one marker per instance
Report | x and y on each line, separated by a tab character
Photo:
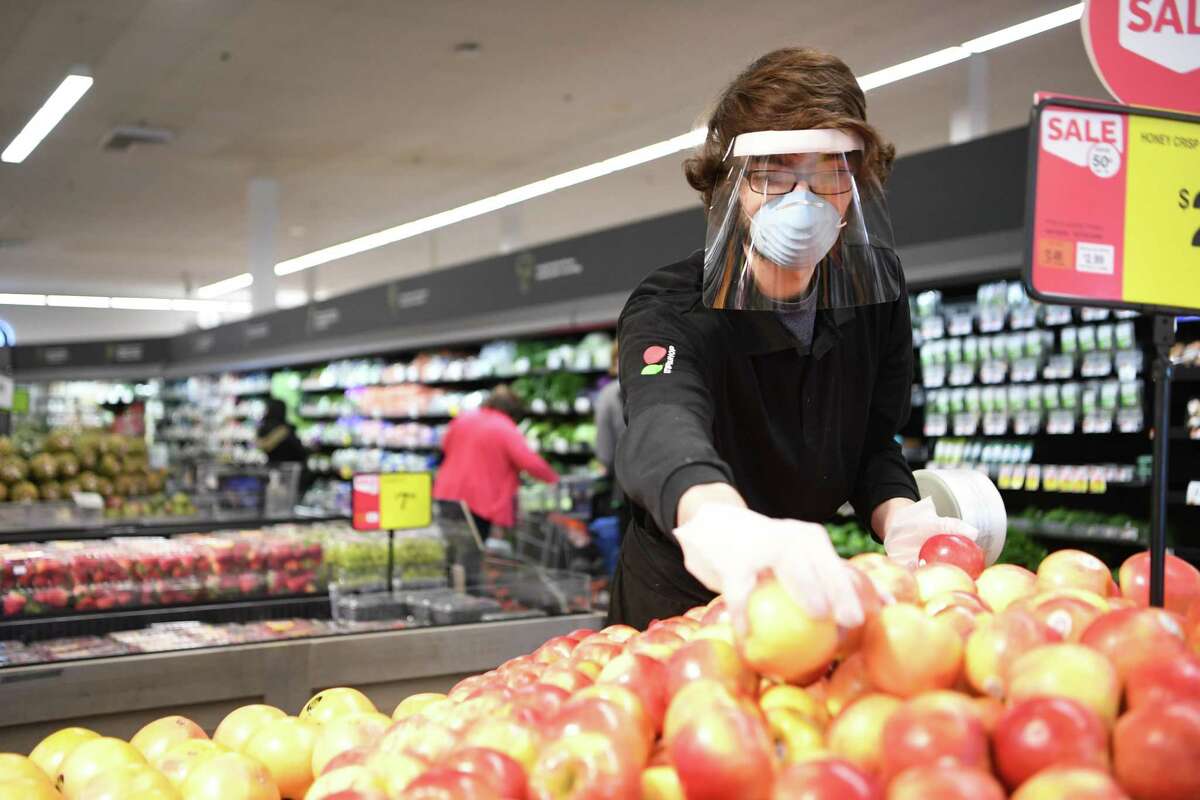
795	230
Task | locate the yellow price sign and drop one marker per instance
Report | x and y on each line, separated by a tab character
392	501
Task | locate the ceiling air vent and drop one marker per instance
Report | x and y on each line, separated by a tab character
124	137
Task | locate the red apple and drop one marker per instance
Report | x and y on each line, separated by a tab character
715	612
1073	569
894	583
1132	635
1067	670
637	718
825	779
996	643
922	735
1182	582
849	682
1191	627
565	676
586	766
850	639
443	783
802	701
598	650
935	579
1000	584
951	782
908	653
949	548
1048	732
1156	748
555	649
696	697
1066	611
856	734
579	634
961	610
723	752
780	640
618	633
518	740
713	659
643	675
1070	783
494	768
1157	679
629	732
537	702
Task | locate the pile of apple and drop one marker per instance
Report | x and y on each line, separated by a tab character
963	683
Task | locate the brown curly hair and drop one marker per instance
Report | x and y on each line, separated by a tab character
793	88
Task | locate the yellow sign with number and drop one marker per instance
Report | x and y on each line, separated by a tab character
1162	213
405	500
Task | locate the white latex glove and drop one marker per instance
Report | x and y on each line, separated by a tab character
908	528
726	547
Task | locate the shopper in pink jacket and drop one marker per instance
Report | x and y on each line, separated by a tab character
485	454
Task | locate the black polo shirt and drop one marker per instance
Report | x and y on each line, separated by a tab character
727	396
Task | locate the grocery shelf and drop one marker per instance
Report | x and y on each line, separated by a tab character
156	527
120	694
92	623
482	379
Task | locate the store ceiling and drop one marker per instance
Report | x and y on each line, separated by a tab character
368	115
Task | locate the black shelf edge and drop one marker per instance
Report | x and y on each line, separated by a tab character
1184	374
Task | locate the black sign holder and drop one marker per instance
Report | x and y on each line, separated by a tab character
1163	322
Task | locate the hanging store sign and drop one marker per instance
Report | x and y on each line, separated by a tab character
1114	205
1146	52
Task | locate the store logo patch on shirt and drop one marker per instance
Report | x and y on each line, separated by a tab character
653	358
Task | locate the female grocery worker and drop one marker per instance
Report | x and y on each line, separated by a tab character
766	377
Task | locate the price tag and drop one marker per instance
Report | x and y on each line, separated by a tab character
1193	493
1052	482
1006	476
392	501
1033	478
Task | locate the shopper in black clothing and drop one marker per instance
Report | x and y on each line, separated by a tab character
278	440
765	378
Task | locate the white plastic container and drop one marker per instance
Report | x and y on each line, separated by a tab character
972	497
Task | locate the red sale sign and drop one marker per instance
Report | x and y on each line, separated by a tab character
1146	52
1114	205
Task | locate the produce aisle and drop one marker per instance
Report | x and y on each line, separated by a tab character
973	681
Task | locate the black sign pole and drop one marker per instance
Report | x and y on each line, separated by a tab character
1164	337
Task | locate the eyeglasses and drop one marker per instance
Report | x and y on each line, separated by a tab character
776	181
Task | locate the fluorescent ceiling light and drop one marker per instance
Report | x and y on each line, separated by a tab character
494	203
77	301
124	303
8	299
1023	30
41	123
141	304
912	67
234	284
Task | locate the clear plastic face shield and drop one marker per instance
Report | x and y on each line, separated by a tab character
794	218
